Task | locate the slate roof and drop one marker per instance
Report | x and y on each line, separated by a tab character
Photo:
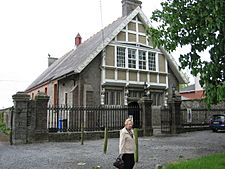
77	59
74	59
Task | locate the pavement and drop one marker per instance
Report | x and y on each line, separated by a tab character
71	155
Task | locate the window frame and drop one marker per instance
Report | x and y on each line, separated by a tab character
121	57
132	58
113	97
152	61
142	62
157	98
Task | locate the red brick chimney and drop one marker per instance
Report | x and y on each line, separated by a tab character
78	40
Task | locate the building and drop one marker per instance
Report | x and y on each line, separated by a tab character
192	92
111	67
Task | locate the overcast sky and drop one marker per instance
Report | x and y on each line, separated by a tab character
30	29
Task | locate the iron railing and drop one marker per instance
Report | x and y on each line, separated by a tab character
93	118
166	120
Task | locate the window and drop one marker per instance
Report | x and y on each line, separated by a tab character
151	61
55	94
66	99
46	91
89	98
136	94
120	57
156	98
118	98
142	59
131	58
113	97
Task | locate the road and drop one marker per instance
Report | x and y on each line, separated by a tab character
153	150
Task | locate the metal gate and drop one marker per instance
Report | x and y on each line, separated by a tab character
134	111
166	120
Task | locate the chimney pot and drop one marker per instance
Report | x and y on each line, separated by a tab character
78	40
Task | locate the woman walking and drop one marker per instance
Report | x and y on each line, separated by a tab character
127	144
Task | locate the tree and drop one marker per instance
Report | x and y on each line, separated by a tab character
201	25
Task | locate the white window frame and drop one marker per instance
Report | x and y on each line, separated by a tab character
121	57
132	64
142	62
152	61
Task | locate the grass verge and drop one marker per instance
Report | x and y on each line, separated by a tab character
214	161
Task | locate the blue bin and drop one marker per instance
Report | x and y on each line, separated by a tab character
60	124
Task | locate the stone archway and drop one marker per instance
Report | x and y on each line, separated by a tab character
134	111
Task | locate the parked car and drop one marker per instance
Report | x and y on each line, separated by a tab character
217	122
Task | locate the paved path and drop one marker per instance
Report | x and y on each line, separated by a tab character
3	137
153	150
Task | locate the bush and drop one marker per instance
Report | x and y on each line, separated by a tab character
4	129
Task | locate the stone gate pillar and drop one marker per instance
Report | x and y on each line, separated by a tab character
19	121
41	105
146	110
176	116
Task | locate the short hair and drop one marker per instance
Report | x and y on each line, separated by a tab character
128	120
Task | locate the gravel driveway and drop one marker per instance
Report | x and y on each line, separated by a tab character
153	150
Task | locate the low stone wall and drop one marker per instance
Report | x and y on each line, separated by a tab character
200	104
196	128
75	136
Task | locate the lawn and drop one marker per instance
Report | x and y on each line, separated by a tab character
215	161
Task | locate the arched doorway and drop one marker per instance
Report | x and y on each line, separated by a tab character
134	111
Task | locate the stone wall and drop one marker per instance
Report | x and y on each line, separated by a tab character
88	81
75	136
156	116
200	104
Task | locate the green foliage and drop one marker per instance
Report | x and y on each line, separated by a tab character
4	129
136	157
215	161
105	140
82	134
200	25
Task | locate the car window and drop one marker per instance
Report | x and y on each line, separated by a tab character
218	117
